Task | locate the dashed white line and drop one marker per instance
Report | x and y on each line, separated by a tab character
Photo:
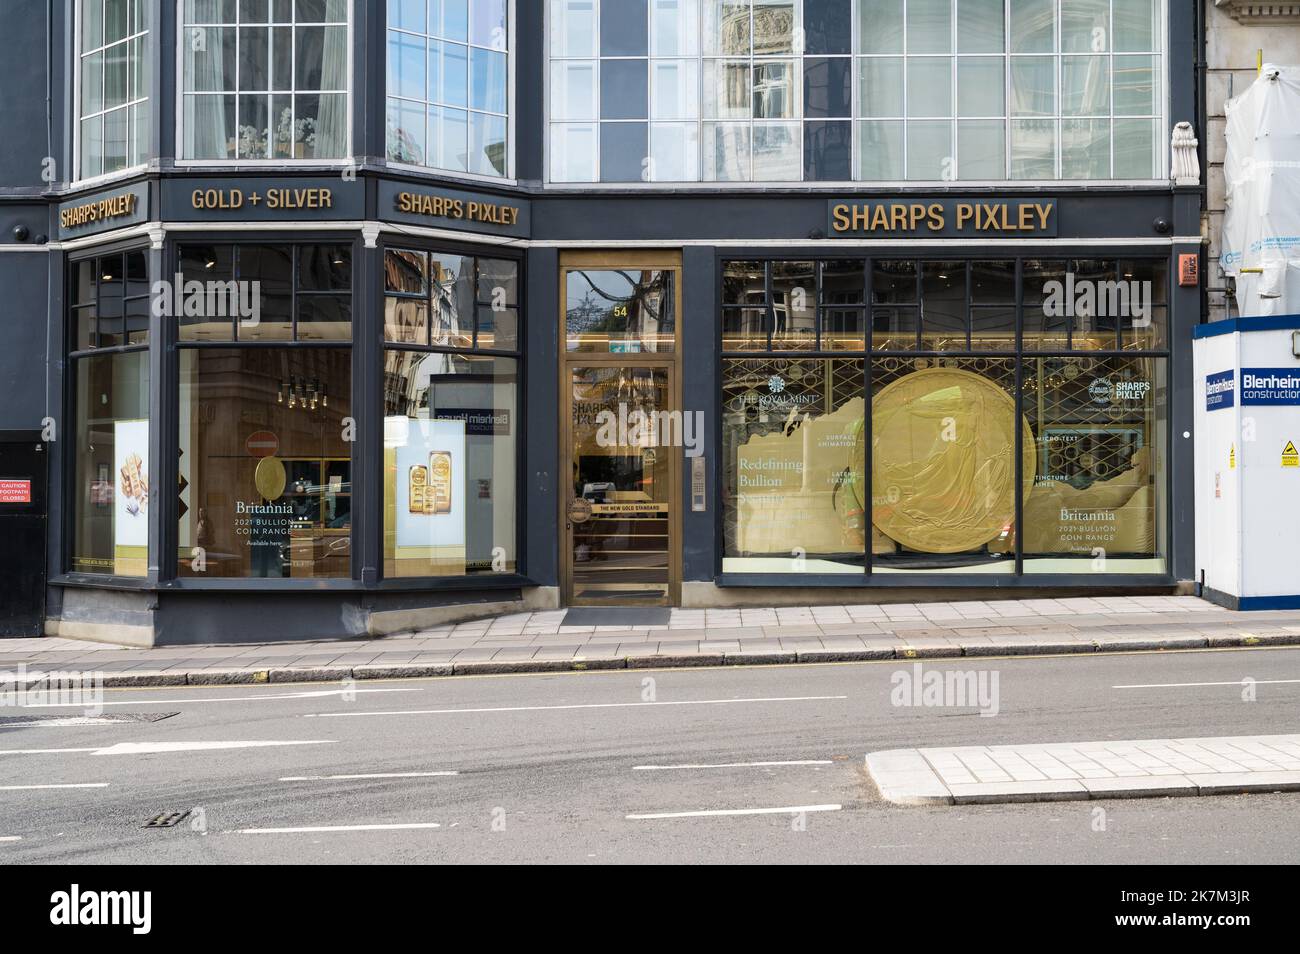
322	778
726	765
333	828
721	812
1191	685
146	748
28	788
266	697
587	705
11	838
93	748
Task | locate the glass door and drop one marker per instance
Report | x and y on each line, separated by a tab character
619	522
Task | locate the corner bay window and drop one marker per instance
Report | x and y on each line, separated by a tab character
265	421
451	413
930	479
113	57
265	79
448	85
110	368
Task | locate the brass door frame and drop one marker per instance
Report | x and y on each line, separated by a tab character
577	261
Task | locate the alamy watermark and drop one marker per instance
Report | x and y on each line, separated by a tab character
638	428
1089	298
53	689
211	299
946	688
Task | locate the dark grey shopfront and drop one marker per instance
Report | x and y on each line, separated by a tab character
794	343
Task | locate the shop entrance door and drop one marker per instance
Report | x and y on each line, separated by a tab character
621	527
620	429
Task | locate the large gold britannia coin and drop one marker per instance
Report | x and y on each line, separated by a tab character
943	446
270	478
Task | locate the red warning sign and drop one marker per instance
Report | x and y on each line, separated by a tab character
262	443
15	491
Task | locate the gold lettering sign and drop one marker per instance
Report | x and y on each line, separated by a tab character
444	207
276	199
114	207
961	216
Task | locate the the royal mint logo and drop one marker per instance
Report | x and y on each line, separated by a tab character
100	908
776	384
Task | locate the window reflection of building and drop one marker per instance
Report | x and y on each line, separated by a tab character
630	310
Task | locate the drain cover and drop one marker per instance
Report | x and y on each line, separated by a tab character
167	819
33	721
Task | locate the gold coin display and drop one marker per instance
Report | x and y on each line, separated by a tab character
270	478
946	439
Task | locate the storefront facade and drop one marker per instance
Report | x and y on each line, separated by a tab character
361	317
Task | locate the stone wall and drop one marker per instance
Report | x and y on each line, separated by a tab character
1235	30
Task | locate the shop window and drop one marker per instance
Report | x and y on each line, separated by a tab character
794	488
266	79
114	53
1098	503
259	293
793	305
1095	304
451	413
447	300
621	311
265	463
943	464
109	299
111	488
449	85
450	457
867	90
974	433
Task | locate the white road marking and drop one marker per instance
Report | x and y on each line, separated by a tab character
1188	685
27	788
65	723
93	748
309	694
325	828
588	705
717	812
725	765
322	778
144	748
11	837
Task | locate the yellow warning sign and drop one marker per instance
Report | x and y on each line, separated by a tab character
1232	457
1290	456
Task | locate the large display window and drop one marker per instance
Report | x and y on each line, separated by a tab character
109	362
265	463
1018	416
265	423
451	413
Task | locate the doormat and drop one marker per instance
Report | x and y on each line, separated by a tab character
617	616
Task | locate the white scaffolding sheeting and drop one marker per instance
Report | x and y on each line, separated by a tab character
1261	226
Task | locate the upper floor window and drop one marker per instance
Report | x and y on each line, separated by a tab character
448	84
113	95
265	79
866	90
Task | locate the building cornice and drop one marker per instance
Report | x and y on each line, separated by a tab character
1265	14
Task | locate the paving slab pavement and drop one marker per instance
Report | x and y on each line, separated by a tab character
537	642
1074	771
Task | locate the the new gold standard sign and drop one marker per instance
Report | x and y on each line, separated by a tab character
941	218
118	206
